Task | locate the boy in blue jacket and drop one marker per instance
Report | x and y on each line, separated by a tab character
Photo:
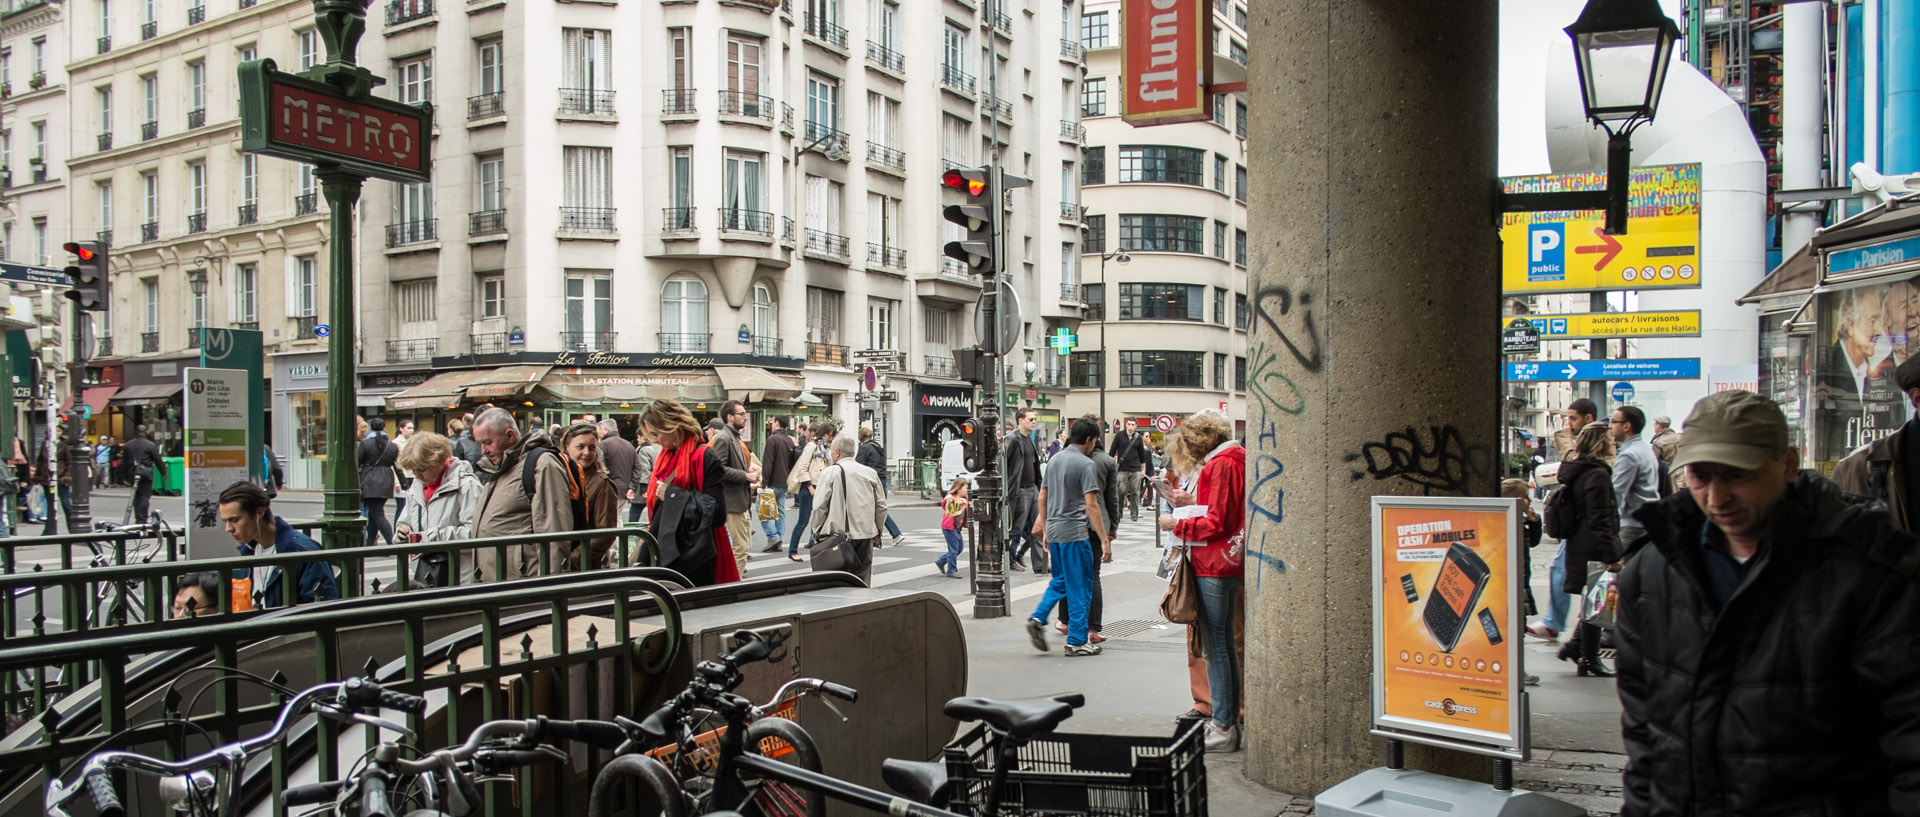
248	515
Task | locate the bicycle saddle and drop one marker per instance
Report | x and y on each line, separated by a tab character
1020	719
922	781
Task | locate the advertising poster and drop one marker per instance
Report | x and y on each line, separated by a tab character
1567	251
1863	334
218	414
1447	626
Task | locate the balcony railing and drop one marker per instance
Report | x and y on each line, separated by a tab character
886	157
412	232
786	117
485	105
939	366
193	336
247	214
1070	211
677	102
105	141
1071	50
105	237
952	268
488	343
487	222
956	79
884	256
826	137
786	230
39	173
587	219
765	346
999	107
825	30
587	341
586	100
677	220
1072	131
150	30
247	4
196	223
758	222
826	354
999	20
196	118
104	44
149	342
407	11
885	57
103	347
252	326
305	327
196	15
150	231
827	244
411	351
306	204
679	342
149	131
1070	292
740	103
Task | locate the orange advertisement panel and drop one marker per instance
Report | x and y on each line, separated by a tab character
1446	627
1166	61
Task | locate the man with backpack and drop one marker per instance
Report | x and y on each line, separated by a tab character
527	494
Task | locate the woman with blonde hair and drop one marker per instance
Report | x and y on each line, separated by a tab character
589	485
1585	513
684	462
440	507
1216	544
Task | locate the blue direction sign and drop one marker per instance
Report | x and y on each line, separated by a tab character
1622	392
1687	368
45	276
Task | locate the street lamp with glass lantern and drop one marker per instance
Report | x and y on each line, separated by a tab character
197	281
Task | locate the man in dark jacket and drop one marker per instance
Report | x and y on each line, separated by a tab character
1886	469
249	519
623	465
873	456
777	460
1768	658
737	477
143	462
1022	468
1126	451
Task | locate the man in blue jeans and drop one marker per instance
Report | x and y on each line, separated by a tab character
1070	517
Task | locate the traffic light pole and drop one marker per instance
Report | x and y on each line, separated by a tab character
990	546
79	453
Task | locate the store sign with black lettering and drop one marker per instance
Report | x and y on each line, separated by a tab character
296	118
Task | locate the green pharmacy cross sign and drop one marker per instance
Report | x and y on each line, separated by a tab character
1063	340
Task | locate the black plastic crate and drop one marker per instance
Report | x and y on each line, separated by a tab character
1094	775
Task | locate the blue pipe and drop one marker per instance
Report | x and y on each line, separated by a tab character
1900	124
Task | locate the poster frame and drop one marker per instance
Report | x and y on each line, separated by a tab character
1514	743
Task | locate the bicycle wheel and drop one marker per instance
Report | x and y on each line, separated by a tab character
783	740
659	792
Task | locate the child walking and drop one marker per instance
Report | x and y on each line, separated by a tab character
954	510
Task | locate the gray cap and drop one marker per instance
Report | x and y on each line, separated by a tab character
1664	420
1733	428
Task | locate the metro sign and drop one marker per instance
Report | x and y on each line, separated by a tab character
296	118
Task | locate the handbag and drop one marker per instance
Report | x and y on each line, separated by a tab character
1181	604
1603	599
683	521
430	570
769	508
835	551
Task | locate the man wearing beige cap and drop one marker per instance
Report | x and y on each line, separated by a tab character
1881	469
1769	661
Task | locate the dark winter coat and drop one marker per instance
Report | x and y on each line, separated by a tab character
376	455
1596	529
873	456
1802	695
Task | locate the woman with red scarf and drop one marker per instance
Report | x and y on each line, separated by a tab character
684	461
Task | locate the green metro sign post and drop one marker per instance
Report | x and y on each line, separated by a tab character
328	116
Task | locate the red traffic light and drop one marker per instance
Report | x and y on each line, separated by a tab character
970	182
79	251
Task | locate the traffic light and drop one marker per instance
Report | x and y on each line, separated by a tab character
973	440
89	274
976	215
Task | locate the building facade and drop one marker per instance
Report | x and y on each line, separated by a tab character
33	121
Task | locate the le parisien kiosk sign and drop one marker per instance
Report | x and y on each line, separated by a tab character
309	121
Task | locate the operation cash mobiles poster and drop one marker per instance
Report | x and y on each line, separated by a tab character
1447	624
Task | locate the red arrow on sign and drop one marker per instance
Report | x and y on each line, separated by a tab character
1608	248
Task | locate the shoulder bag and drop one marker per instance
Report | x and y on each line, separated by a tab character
1181	604
834	551
684	516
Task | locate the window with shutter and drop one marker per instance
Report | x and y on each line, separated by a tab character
817	203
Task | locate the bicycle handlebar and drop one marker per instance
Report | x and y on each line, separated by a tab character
106	801
311	794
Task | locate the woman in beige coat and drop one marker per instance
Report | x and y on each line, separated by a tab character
441	501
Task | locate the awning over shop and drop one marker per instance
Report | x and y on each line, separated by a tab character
1796	275
506	381
634	386
447	389
753	384
145	395
95	398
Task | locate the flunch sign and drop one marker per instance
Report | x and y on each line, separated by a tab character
1166	53
296	118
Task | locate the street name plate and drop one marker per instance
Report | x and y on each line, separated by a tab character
296	118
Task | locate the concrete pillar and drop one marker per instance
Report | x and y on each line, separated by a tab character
1373	359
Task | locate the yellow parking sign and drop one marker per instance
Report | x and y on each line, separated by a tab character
1565	251
1677	324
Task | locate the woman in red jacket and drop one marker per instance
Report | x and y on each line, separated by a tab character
1216	542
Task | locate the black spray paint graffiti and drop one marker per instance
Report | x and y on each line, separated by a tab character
1440	463
1277	303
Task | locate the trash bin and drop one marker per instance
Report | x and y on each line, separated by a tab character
929	475
172	479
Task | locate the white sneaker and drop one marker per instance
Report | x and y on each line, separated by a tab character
1222	740
898	541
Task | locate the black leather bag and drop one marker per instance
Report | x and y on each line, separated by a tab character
835	551
430	569
683	522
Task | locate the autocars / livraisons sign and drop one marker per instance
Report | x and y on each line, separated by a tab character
296	118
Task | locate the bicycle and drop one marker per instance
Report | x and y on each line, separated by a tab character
192	785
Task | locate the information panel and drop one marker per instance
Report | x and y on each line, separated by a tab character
218	412
1447	623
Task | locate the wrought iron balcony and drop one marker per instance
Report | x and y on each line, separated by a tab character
485	105
306	204
412	351
150	29
105	237
247	4
1070	292
1070	211
587	219
826	137
766	346
1072	131
488	343
196	15
586	101
1000	21
997	106
587	341
196	118
739	103
939	366
193	336
677	102
149	342
952	268
103	45
407	11
150	231
679	342
305	327
786	117
103	347
487	222
786	230
39	172
758	222
886	157
149	131
956	79
678	221
1071	50
248	325
826	31
885	57
884	256
105	140
247	214
412	232
196	223
38	81
828	244
826	354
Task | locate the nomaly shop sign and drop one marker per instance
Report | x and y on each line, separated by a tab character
1166	58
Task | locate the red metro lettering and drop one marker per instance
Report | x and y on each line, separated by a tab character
315	121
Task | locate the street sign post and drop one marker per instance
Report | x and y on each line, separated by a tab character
1623	392
1008	311
1519	337
1677	324
1563	251
1687	368
43	276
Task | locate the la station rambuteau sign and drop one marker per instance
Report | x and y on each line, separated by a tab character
309	121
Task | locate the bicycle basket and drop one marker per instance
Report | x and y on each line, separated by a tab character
706	745
1095	775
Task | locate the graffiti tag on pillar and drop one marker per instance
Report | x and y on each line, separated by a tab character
1439	462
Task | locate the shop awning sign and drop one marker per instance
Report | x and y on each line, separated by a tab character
1569	370
1874	256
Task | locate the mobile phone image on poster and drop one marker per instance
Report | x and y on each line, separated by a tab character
1445	594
